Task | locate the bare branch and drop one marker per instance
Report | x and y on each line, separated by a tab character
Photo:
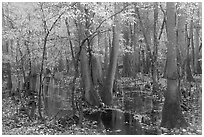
43	19
55	22
162	27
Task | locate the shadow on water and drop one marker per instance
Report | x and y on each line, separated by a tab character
116	121
138	102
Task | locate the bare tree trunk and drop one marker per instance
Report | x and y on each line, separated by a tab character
197	66
126	57
149	58
41	73
182	45
17	69
22	64
107	95
189	76
136	54
192	45
9	81
106	56
155	54
171	113
127	65
74	62
90	94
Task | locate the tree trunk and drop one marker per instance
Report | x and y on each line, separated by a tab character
136	54
45	91
192	45
155	54
22	64
143	63
107	94
189	76
182	44
41	73
60	64
197	67
96	70
106	56
126	58
127	65
9	81
74	62
18	68
87	66
149	58
171	113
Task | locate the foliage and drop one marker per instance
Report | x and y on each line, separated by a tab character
29	28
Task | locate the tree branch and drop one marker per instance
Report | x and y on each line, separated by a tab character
43	19
162	27
55	22
110	17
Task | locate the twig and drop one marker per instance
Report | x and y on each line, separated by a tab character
110	17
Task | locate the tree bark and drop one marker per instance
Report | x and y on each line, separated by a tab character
171	114
106	56
155	52
182	45
149	58
74	62
126	58
192	45
9	81
197	66
189	76
127	65
90	94
107	95
136	54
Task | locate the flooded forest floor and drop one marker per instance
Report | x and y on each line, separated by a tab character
134	96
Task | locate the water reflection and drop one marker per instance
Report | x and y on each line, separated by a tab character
116	121
137	102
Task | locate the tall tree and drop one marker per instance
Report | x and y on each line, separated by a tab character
86	67
127	55
107	93
197	66
106	55
171	113
47	32
154	61
182	44
136	54
192	43
6	43
189	75
74	62
146	36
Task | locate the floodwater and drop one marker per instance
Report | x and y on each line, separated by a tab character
120	121
123	121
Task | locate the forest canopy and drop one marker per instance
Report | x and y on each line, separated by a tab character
129	62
